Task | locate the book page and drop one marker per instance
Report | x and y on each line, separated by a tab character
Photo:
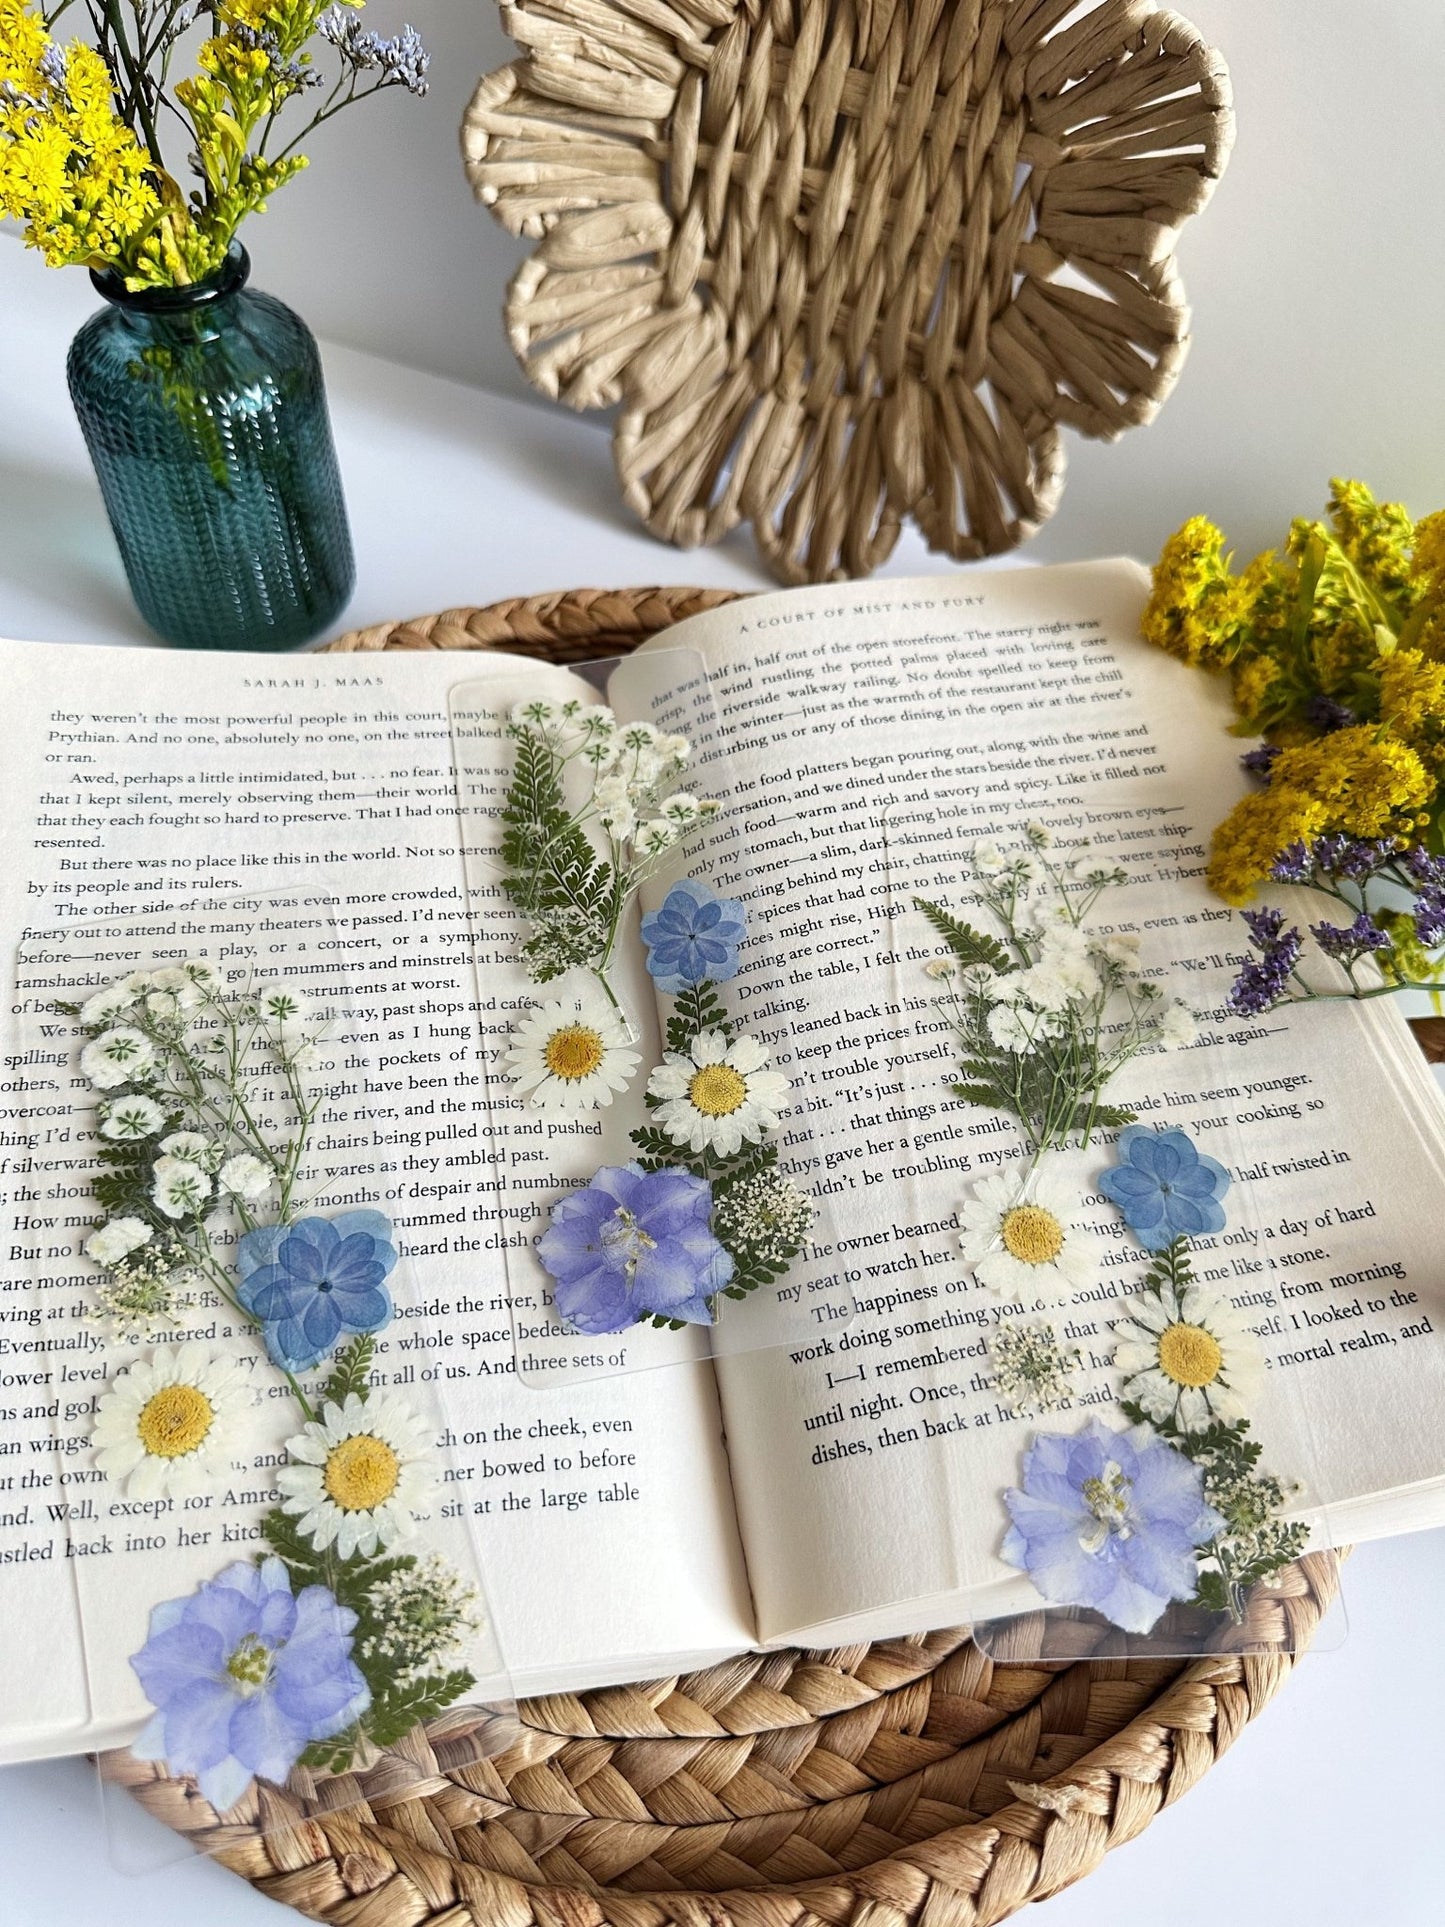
134	778
875	733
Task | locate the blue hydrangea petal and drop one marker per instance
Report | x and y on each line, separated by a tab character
1126	1182
1159	1154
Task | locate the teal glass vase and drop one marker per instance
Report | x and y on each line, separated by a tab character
205	415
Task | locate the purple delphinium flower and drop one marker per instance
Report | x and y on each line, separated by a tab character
1347	943
1292	865
1260	760
1109	1520
634	1242
313	1281
1260	983
693	937
1164	1187
244	1675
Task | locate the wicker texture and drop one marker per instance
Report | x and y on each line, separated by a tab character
843	262
912	1783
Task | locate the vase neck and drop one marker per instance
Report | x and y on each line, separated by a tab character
196	310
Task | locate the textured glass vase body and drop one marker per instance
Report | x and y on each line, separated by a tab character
205	415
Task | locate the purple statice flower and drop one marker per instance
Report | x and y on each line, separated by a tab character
1260	760
693	938
1164	1188
1430	918
1423	869
1264	926
1347	943
1260	983
244	1675
1355	858
1292	865
1111	1521
313	1281
1327	715
634	1243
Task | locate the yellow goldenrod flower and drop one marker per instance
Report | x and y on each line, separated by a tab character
1197	607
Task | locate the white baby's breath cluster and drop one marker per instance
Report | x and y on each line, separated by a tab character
426	1612
172	1054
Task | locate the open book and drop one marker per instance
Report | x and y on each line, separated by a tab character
840	1487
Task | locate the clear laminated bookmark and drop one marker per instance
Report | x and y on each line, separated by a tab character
242	1451
1132	1280
656	1188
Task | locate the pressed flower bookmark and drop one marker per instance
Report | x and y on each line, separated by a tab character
242	1318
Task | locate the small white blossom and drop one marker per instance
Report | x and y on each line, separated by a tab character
117	1240
191	1146
988	859
117	1056
1177	1026
279	1007
129	1118
1007	1028
654	836
180	1188
106	1005
245	1177
939	968
177	984
1039	834
1121	949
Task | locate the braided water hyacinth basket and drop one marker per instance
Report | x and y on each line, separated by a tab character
843	262
911	1783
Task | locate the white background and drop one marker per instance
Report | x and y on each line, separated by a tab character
1318	283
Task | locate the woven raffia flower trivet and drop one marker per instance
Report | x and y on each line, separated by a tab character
912	1783
843	262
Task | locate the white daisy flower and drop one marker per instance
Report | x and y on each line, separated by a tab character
179	1187
718	1096
245	1177
132	1117
117	1056
1188	1356
1176	1026
572	1056
168	1423
1021	1240
358	1473
104	1006
117	1240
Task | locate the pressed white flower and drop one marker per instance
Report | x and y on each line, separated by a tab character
654	836
245	1177
572	1055
301	1057
191	1146
1031	1365
1121	949
676	750
988	859
104	1006
424	1616
174	990
116	1056
1189	1356
116	1240
279	1007
205	973
167	1424
1039	834
766	1214
1010	1028
1021	1239
179	1187
129	1118
939	968
358	1473
718	1095
1176	1026
682	809
1060	977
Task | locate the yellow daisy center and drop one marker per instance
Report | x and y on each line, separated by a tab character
361	1473
1190	1355
574	1053
175	1420
1031	1234
717	1090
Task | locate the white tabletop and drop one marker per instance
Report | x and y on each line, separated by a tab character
1328	1810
